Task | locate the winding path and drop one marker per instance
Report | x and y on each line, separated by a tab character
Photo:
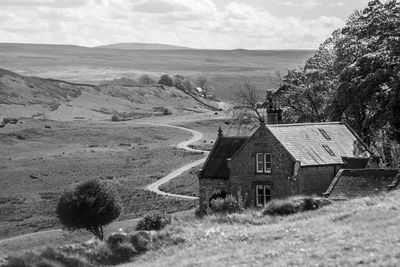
155	187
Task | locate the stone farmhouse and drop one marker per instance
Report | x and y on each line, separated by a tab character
279	160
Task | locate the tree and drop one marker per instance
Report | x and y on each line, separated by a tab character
166	80
204	84
146	80
307	93
248	110
368	55
90	206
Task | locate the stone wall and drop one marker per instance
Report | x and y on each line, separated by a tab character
316	179
242	168
361	183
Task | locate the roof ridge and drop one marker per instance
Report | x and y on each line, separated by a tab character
305	124
235	137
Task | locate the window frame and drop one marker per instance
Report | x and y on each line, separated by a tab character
329	150
261	158
265	197
325	134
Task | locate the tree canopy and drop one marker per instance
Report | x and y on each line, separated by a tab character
355	72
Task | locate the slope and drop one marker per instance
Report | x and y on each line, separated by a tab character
57	99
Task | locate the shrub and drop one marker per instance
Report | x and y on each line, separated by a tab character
146	80
166	80
293	205
90	206
115	118
230	204
153	221
163	110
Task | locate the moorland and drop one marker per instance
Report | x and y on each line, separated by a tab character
94	65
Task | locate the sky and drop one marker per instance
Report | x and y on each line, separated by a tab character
209	24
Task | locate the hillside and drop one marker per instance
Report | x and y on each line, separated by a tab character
83	64
346	233
142	46
57	99
349	233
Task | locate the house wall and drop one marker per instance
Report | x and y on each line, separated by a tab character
316	179
207	186
242	168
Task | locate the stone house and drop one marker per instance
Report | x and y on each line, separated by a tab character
279	160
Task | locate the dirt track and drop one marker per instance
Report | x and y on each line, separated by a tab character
154	187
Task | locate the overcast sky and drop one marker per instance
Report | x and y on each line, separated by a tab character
222	24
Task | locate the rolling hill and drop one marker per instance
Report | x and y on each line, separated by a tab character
83	64
22	96
142	46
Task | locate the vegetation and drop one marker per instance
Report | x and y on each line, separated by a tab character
118	248
166	80
154	221
294	205
92	205
354	74
146	80
247	114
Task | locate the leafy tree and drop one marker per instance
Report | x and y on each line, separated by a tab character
368	55
166	80
204	84
178	81
306	93
90	206
146	80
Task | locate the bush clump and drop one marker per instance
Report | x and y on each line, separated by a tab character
227	205
118	248
154	221
90	206
293	205
116	117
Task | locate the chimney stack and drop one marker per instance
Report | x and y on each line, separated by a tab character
274	112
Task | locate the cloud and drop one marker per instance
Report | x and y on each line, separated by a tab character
37	3
157	6
193	23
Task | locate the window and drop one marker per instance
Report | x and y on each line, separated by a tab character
329	150
263	162
263	195
325	134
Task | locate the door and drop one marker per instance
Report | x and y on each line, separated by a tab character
263	195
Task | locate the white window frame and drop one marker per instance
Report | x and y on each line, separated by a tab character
261	158
264	196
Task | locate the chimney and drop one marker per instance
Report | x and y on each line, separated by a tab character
274	112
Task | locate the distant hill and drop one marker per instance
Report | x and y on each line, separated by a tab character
83	64
142	46
22	96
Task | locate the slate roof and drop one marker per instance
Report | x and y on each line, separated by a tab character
319	143
225	147
361	183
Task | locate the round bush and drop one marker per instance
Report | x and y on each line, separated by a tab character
153	221
92	205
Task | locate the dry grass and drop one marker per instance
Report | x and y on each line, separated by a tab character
185	184
38	168
363	231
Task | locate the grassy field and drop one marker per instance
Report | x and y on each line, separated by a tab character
357	232
221	67
41	158
185	184
346	233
